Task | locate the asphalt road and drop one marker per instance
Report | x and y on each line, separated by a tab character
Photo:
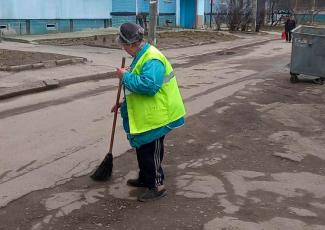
251	155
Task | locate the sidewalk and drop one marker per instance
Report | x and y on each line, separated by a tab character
77	34
101	64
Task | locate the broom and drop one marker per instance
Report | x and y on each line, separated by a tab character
104	170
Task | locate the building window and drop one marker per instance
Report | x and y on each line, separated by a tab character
51	26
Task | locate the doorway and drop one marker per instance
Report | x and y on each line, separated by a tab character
188	14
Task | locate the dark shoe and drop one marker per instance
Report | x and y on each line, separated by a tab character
152	194
136	183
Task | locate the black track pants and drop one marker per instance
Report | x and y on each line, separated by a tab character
288	36
149	158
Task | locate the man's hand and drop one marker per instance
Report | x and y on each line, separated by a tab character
116	107
120	72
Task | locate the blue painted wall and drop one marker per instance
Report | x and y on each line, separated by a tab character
84	13
308	18
167	11
167	6
143	6
39	26
123	6
320	17
17	25
125	10
56	9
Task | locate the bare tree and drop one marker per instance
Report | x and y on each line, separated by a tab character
305	11
254	13
237	15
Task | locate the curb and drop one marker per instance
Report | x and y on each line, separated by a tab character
9	39
32	87
49	84
95	77
39	86
44	64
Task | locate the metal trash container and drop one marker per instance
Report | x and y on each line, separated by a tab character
308	53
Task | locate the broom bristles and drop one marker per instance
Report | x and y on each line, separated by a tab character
104	170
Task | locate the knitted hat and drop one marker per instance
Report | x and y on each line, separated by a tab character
130	33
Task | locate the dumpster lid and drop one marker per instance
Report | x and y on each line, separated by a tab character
310	30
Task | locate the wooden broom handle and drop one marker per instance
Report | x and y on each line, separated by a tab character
116	110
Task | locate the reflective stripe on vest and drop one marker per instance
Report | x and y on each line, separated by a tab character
166	80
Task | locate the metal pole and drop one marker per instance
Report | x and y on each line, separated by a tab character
314	7
313	13
153	22
211	3
136	8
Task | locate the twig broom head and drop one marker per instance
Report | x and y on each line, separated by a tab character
104	170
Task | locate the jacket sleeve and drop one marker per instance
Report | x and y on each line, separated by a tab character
149	81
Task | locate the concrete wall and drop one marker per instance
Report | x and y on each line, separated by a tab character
167	6
200	13
44	26
123	6
74	15
55	9
125	11
167	12
50	16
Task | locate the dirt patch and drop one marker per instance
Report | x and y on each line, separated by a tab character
14	58
165	40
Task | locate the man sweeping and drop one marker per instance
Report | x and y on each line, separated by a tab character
151	108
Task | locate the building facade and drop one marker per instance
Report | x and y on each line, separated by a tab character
180	13
39	17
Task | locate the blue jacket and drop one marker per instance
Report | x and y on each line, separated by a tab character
148	82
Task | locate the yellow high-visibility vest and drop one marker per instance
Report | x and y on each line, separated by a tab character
150	112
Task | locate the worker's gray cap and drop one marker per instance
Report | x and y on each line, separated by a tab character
130	33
